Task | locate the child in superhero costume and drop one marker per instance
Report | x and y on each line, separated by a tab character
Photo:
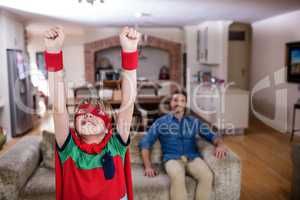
92	162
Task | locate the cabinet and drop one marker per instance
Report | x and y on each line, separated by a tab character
209	43
228	112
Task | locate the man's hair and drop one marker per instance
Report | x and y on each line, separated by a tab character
182	92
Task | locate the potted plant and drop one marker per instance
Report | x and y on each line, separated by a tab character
2	137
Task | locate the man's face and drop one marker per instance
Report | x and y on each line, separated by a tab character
178	103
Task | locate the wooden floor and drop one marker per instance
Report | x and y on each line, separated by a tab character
265	156
266	162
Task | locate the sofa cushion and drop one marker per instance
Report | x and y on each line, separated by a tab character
157	187
143	183
17	165
47	147
227	173
41	183
156	153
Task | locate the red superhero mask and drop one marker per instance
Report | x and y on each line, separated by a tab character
96	111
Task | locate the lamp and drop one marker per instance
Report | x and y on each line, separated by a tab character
91	1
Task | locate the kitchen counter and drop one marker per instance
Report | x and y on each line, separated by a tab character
228	112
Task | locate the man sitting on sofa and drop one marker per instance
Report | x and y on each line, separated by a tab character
177	132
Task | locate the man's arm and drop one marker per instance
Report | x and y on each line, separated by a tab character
217	142
145	144
149	170
129	40
204	131
146	158
53	39
220	149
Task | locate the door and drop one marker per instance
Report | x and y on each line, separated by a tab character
239	53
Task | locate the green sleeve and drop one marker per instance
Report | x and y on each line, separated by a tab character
119	144
65	150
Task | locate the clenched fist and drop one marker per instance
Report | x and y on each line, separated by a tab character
54	39
129	39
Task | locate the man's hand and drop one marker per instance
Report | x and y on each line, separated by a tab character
54	39
150	172
220	151
129	39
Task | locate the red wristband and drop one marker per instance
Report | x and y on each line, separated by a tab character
130	60
54	61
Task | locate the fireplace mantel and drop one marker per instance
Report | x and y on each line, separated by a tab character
173	48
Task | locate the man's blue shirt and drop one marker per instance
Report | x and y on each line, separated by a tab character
177	138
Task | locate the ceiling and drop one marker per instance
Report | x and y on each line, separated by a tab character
156	13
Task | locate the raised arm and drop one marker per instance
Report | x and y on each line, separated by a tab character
53	39
129	40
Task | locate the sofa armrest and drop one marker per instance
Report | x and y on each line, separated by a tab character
17	165
227	173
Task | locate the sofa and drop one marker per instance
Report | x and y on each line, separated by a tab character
27	172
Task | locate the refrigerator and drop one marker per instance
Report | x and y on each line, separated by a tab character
20	96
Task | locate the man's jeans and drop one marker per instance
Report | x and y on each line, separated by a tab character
196	168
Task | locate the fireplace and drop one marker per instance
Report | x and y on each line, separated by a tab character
173	49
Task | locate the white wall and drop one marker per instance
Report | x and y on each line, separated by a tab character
74	47
149	67
73	54
193	65
73	60
190	37
268	56
172	34
11	37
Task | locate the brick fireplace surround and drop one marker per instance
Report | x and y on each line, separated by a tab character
173	48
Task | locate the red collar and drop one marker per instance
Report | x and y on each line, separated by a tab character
96	111
91	148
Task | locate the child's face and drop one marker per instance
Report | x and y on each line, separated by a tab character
89	124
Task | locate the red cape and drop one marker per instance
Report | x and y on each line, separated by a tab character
127	170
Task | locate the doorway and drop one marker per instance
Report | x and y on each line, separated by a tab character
239	54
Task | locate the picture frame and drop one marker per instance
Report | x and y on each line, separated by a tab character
40	62
293	62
